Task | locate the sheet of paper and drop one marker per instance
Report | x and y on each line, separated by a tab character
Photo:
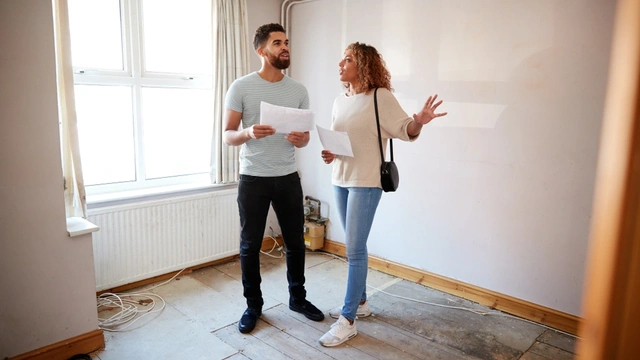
335	141
286	120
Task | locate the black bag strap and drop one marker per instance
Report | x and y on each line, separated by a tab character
375	105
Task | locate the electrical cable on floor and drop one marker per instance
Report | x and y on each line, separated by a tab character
275	243
133	307
478	312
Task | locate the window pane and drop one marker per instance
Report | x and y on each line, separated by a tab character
177	39
96	40
105	129
178	125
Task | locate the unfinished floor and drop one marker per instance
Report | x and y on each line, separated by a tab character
202	311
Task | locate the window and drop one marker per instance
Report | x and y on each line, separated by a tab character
143	92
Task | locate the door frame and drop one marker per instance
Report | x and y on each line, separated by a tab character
610	310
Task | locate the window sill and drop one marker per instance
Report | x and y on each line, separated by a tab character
77	226
104	200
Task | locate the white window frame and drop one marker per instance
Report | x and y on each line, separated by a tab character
137	77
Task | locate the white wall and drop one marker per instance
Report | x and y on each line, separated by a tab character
47	283
498	193
260	12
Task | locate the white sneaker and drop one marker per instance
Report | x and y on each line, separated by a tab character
340	332
363	311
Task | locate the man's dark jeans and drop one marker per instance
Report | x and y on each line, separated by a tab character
255	194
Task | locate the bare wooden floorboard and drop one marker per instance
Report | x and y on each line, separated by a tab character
532	356
407	342
559	340
547	352
284	341
238	356
203	309
309	332
247	344
477	336
201	303
374	341
379	349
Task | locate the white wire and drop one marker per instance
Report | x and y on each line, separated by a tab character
475	311
275	242
133	307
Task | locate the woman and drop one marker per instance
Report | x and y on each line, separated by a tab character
356	179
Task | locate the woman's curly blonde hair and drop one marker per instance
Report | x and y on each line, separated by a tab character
372	70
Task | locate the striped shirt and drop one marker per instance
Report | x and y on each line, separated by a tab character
272	155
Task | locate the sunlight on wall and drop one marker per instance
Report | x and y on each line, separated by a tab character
396	42
487	40
473	115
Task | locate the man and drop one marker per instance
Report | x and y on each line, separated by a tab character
268	173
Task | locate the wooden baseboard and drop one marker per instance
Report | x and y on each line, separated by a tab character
63	350
521	308
167	276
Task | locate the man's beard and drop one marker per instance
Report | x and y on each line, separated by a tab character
277	63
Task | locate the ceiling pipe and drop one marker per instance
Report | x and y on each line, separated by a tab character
283	9
284	16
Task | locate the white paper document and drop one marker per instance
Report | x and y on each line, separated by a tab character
335	141
285	119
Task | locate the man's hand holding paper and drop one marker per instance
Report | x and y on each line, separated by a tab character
259	131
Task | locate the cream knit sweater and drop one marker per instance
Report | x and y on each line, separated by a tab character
356	116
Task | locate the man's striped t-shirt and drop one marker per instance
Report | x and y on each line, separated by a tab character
272	155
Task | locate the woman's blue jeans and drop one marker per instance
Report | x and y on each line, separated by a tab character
255	194
356	208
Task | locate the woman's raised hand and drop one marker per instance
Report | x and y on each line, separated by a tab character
428	111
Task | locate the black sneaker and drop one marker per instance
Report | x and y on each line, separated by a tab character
307	309
248	320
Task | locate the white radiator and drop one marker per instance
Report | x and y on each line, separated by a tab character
146	239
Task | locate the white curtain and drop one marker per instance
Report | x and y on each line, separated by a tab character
230	61
74	192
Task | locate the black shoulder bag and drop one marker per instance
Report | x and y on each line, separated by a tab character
388	170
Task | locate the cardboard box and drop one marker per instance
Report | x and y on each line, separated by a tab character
313	235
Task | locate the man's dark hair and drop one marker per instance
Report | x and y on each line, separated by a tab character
263	32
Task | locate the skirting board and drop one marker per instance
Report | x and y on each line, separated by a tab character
82	344
521	308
